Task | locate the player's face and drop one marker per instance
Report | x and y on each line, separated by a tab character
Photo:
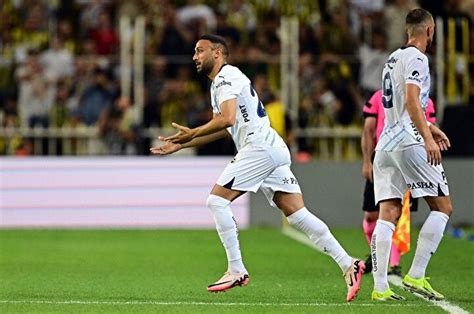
204	57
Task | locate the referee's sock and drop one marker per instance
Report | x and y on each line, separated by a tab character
319	234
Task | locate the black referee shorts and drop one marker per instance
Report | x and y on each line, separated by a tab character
368	203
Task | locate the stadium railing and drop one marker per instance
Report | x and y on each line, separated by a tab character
331	143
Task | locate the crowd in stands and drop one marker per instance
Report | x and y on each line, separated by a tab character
59	62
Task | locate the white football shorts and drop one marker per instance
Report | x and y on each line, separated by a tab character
266	169
396	171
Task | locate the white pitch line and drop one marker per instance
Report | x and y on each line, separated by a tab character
257	304
445	305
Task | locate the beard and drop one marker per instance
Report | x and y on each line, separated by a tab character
206	67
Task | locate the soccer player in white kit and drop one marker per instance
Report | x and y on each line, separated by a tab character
408	156
262	162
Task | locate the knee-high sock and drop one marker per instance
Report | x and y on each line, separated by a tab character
394	256
368	227
380	250
228	233
319	234
428	240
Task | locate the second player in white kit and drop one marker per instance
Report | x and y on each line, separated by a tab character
408	155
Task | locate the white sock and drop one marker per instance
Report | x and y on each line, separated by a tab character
428	240
319	234
228	233
380	252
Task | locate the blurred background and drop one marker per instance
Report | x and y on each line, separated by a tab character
103	77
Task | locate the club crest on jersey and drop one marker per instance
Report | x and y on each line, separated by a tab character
223	83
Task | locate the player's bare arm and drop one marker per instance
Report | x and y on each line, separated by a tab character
368	145
417	116
170	147
219	122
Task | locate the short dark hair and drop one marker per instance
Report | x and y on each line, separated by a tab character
417	17
217	40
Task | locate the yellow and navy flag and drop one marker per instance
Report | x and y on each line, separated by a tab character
401	236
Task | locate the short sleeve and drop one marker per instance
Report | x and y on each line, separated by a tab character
227	87
416	70
371	107
430	112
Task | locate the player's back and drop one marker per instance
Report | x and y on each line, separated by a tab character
406	65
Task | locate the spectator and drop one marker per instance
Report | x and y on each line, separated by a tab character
240	15
32	34
90	12
58	60
105	37
60	112
372	59
66	34
36	92
394	22
116	128
195	10
96	97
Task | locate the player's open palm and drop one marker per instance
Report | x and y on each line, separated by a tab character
183	135
165	149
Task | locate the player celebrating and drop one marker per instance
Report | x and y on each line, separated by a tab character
262	162
373	126
408	154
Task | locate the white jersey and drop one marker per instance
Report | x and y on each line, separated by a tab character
252	127
406	65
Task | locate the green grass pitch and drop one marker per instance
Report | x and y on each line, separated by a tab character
136	271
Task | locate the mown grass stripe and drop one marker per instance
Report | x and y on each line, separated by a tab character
151	302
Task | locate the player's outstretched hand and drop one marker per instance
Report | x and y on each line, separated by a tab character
440	138
165	149
183	135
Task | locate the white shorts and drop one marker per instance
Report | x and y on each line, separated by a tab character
267	169
394	172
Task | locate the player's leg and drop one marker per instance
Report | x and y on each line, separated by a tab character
245	172
282	190
381	244
219	204
429	182
368	224
300	217
292	205
389	190
371	214
429	238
